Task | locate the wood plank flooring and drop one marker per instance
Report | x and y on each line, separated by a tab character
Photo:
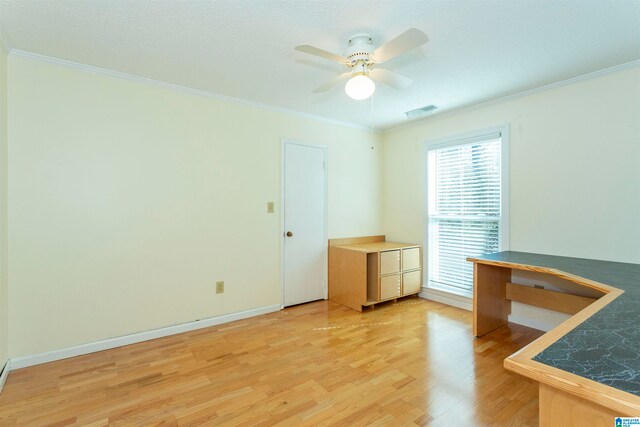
410	363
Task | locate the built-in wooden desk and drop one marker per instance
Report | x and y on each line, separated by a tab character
364	271
589	366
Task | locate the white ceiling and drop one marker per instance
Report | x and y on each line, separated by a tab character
478	50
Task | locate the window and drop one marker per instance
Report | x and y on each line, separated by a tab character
466	207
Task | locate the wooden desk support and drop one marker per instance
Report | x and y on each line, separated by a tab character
566	399
493	293
559	408
545	298
366	270
490	305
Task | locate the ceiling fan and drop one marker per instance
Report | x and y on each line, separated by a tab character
362	60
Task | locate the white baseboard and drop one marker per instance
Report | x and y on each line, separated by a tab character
459	301
50	356
531	323
5	374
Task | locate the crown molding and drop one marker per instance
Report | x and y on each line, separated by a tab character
482	104
184	89
258	105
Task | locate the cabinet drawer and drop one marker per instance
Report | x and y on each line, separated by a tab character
410	259
411	282
389	262
390	286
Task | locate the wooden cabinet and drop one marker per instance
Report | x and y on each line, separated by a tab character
367	270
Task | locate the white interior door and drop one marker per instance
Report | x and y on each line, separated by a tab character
305	237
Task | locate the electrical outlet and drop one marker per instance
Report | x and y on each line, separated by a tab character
219	287
270	207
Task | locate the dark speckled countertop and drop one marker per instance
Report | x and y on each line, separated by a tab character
606	347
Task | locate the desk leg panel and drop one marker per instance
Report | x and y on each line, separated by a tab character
490	304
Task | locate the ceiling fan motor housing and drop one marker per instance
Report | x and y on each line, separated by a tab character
359	50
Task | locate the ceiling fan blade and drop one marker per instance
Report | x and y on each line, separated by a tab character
406	41
311	50
390	78
331	83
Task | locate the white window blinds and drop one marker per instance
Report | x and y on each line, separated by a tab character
465	199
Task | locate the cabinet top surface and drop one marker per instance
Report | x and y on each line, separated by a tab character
377	246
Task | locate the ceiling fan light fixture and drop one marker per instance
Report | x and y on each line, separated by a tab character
360	87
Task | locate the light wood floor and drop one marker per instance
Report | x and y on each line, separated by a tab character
410	363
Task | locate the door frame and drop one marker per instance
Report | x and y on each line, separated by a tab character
283	144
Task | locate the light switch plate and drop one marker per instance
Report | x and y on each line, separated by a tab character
270	207
219	287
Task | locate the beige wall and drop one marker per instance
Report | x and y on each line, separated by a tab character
574	168
127	202
4	303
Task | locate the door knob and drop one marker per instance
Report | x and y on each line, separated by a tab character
289	234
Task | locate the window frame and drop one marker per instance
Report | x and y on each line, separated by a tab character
459	139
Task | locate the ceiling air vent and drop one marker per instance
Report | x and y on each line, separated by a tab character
422	111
